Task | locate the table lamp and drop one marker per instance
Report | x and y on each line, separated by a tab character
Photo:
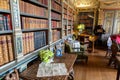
81	27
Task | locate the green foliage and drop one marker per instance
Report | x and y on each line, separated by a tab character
45	55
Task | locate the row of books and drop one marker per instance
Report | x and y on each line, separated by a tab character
28	42
56	6
69	31
33	41
65	11
65	16
33	23
69	27
64	33
70	22
5	4
45	2
56	35
55	15
65	5
65	22
70	13
86	21
56	24
26	7
65	27
83	17
5	22
6	49
70	16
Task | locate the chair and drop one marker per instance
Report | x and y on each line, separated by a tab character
109	43
80	51
114	50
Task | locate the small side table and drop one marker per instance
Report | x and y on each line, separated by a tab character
93	38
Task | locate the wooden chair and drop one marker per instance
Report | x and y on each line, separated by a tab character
114	50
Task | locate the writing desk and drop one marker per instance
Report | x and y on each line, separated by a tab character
31	72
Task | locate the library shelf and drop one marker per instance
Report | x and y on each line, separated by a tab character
33	16
69	35
64	29
56	19
56	42
57	2
9	67
6	32
32	30
69	29
65	13
54	10
36	3
4	11
57	28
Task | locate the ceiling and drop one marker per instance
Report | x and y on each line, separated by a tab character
92	3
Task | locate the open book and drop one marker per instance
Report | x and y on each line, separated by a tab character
51	69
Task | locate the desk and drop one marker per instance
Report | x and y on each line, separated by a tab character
31	72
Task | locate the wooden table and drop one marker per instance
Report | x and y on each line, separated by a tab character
31	72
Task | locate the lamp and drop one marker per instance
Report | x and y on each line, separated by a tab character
81	27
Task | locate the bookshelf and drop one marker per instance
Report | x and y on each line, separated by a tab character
88	21
33	30
68	19
56	18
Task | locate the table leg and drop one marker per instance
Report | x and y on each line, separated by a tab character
93	49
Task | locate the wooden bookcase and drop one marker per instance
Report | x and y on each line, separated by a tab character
68	19
29	26
87	19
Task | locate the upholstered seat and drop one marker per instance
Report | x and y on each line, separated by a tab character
80	52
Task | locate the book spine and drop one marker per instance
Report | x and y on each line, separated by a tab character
8	21
1	23
32	41
1	53
5	49
24	45
10	47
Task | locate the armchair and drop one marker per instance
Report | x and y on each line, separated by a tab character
77	50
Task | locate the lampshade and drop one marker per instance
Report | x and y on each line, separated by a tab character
81	27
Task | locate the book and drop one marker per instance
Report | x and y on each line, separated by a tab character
10	47
8	21
24	43
1	22
1	54
4	49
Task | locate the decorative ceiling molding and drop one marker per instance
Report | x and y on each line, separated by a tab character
110	4
86	3
97	4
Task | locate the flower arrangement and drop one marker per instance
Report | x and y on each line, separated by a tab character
46	55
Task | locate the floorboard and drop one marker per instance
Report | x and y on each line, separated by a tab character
96	68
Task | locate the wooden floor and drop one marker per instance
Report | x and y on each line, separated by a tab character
95	69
